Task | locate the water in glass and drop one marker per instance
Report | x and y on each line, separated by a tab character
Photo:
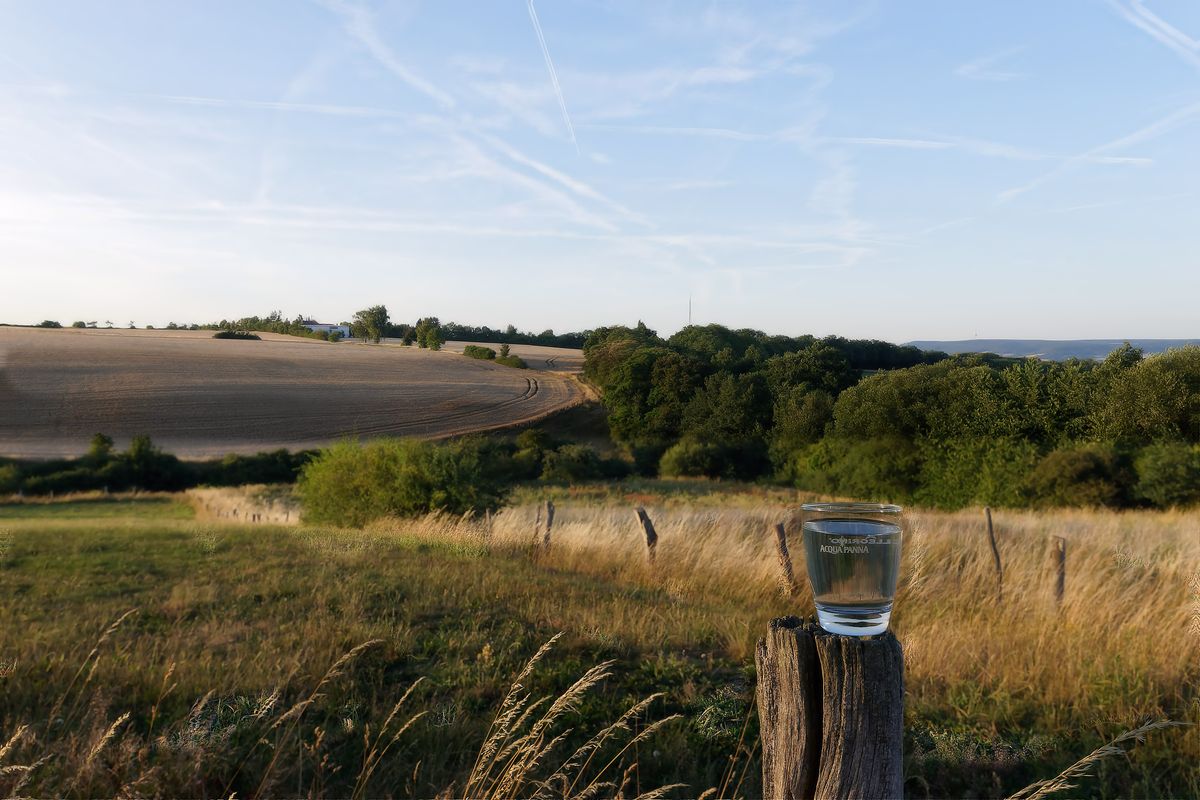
853	565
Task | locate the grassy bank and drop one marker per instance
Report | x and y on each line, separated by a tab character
998	694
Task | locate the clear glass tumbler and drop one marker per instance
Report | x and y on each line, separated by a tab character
853	555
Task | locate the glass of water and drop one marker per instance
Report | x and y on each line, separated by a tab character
853	555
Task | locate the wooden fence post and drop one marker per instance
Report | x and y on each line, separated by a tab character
1059	556
831	713
537	526
987	512
648	530
788	577
549	523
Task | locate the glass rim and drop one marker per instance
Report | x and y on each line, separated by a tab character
852	508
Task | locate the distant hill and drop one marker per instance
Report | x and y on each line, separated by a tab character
1050	349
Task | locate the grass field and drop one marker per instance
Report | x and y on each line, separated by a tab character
199	397
998	694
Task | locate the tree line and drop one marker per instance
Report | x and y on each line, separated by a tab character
873	420
375	324
144	466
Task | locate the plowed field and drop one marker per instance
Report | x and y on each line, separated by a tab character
200	397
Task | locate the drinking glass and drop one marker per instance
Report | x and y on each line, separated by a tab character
853	555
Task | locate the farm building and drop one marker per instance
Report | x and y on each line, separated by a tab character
325	327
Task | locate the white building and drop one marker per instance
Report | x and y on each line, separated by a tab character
324	327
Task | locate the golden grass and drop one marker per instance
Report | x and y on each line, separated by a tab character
520	756
276	505
1008	692
1123	646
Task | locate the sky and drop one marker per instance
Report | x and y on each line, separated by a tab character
897	170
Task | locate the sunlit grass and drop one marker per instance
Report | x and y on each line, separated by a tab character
229	616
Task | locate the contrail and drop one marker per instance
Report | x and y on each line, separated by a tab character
562	103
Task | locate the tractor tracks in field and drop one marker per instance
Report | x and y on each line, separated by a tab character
532	388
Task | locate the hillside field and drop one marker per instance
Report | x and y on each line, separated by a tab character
201	397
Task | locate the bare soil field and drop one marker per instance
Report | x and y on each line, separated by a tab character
202	397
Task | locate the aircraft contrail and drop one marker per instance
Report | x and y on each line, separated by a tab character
562	103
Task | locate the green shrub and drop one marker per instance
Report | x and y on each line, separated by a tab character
1086	475
693	459
535	439
883	469
10	478
959	472
236	335
527	464
49	323
483	353
352	483
512	361
1168	474
878	469
573	463
277	466
80	479
100	448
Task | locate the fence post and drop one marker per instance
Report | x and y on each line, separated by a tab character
987	512
650	533
537	527
1060	563
788	578
549	523
831	713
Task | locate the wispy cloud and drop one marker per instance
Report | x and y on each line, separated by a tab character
1121	201
359	23
573	185
943	226
562	103
1100	153
690	186
908	144
271	105
668	130
984	148
1136	13
986	67
624	95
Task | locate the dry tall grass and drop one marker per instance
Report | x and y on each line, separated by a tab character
276	505
522	755
1123	646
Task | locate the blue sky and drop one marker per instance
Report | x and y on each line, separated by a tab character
898	170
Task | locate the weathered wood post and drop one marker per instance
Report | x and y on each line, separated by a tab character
1059	555
831	713
549	524
537	527
987	512
787	579
651	535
